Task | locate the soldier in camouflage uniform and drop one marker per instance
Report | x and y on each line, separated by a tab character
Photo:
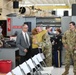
69	42
47	49
46	46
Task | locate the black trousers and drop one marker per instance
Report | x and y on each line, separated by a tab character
25	57
36	51
55	58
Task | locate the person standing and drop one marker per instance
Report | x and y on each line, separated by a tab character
57	48
23	42
69	42
37	34
42	44
47	47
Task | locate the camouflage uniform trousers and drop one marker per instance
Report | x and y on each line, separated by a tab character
48	57
70	54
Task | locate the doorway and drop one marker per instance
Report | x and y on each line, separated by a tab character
3	24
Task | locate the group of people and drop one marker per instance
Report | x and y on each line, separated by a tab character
39	42
36	43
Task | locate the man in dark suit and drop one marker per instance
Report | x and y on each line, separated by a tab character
23	43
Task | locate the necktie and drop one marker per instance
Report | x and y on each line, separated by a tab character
26	39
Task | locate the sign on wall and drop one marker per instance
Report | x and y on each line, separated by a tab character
9	24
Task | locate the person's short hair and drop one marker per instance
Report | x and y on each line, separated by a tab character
24	25
73	23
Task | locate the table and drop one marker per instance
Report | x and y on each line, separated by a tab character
9	54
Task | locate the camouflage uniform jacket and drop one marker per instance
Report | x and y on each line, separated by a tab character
47	49
69	38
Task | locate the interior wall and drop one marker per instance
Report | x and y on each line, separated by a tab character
60	12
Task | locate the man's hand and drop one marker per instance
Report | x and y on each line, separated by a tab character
65	46
25	50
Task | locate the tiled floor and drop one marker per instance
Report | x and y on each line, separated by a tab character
59	71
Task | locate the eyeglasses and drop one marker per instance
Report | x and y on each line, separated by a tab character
25	27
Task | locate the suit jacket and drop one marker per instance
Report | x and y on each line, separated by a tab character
21	44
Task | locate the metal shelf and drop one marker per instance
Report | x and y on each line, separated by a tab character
48	23
51	21
47	17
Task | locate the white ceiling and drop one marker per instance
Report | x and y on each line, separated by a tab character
45	2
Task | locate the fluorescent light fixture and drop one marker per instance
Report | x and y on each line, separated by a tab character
41	4
50	4
23	5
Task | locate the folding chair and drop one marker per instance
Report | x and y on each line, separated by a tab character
36	62
40	58
17	71
42	55
32	67
25	68
37	71
9	73
44	70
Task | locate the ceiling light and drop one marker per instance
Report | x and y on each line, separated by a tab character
23	5
26	4
50	4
